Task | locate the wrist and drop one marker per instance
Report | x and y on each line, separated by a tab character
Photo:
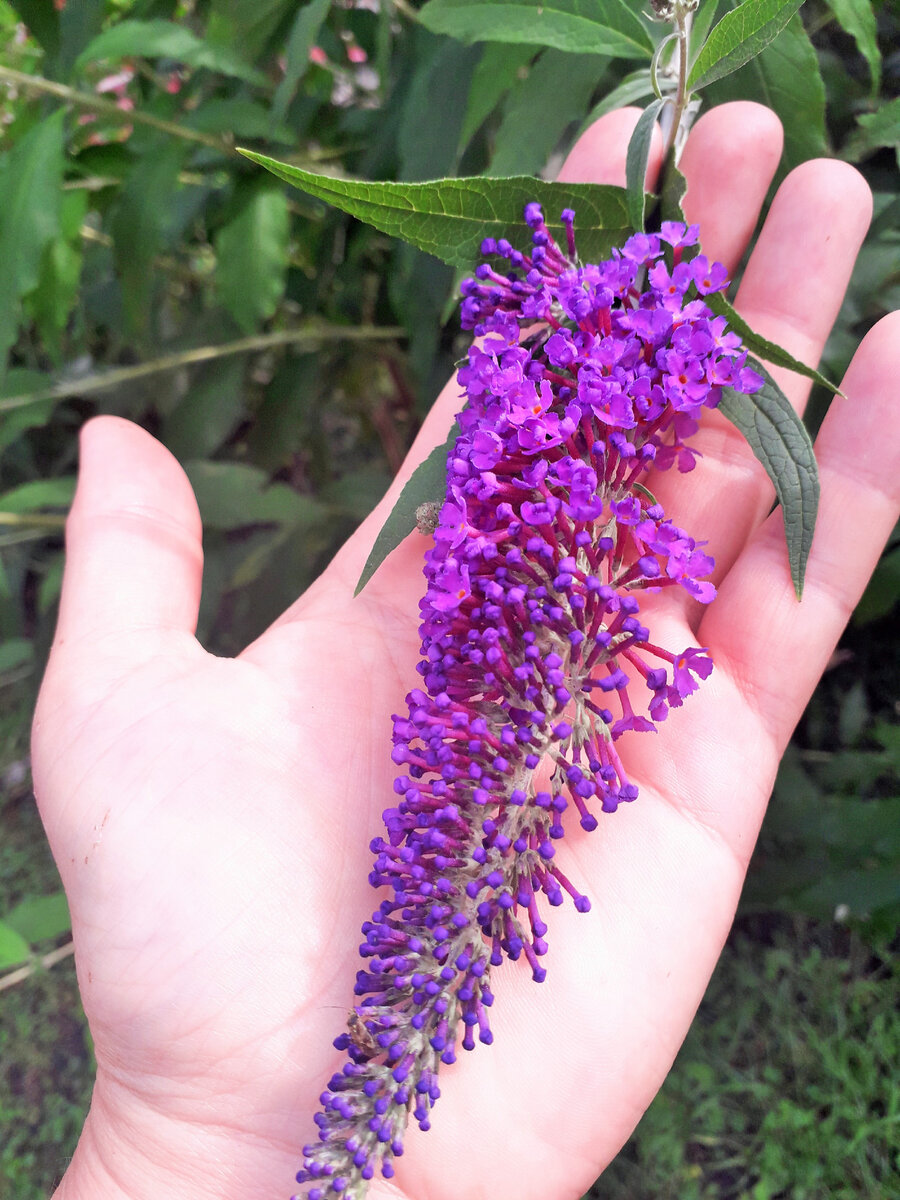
114	1161
127	1152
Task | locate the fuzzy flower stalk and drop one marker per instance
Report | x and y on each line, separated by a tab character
581	380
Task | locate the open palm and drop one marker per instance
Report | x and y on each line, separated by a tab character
211	817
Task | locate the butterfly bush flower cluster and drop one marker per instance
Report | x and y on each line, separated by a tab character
535	658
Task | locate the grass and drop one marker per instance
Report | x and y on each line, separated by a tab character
785	1085
45	1057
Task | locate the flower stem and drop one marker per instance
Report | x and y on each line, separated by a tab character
682	20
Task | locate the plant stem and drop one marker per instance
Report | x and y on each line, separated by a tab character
109	108
407	10
310	334
32	520
46	961
680	102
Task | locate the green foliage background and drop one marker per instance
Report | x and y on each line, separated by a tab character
286	354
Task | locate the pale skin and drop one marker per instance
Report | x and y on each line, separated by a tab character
211	817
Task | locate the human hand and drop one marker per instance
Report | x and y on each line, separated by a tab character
211	817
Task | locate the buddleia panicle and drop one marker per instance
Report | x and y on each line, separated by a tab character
580	381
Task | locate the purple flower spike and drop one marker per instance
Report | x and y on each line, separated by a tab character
534	652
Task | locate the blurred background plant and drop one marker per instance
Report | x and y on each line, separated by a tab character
286	355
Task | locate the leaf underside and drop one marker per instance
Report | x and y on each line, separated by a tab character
760	346
781	442
636	163
427	483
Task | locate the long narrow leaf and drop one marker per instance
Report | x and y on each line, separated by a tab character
427	483
305	30
633	87
497	71
770	351
636	163
859	19
700	26
785	77
559	86
780	441
673	191
738	37
39	493
30	196
252	253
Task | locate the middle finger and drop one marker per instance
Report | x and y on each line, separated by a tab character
791	292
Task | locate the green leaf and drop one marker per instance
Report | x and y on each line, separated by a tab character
738	37
434	108
209	411
19	382
786	78
13	947
428	483
305	30
78	24
30	183
863	891
53	299
288	419
15	653
497	71
72	213
858	18
38	494
636	163
42	21
252	254
237	116
233	495
38	918
770	351
559	86
877	129
422	295
166	39
245	23
883	590
674	190
449	218
20	420
50	585
262	550
581	26
780	441
140	223
357	493
633	87
703	19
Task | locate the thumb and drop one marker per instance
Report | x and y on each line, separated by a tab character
133	541
131	591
